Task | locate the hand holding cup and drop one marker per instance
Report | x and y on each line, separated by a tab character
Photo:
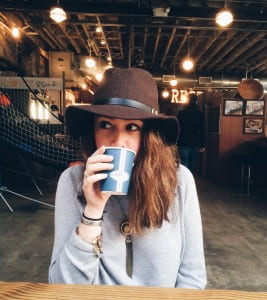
96	168
118	179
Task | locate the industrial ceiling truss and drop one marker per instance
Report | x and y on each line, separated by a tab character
133	34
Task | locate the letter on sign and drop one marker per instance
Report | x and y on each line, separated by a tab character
175	96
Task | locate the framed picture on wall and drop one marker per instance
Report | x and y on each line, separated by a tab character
253	125
233	107
254	108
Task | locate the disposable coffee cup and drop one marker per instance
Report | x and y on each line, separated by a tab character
118	179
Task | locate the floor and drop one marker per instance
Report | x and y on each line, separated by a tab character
235	236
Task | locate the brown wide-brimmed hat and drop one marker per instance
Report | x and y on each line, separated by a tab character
130	94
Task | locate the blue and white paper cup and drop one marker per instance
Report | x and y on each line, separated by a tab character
118	179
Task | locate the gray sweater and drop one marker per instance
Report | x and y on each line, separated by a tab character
169	256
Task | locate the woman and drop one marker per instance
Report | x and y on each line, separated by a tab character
162	246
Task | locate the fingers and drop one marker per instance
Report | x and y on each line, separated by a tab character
98	158
100	150
97	163
97	167
94	178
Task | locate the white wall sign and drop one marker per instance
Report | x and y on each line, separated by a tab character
179	96
36	83
175	96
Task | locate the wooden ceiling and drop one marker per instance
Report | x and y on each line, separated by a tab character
133	36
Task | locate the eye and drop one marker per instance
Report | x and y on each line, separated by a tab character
133	127
104	125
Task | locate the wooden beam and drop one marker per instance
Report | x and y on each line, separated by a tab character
72	40
168	47
104	36
54	39
195	43
145	39
244	46
179	49
251	53
120	45
41	35
218	48
259	64
85	44
156	45
207	46
130	45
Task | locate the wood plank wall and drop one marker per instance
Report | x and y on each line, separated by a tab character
221	165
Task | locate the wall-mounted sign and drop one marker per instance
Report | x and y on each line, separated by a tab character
35	83
179	96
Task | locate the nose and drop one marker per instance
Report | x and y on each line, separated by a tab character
119	139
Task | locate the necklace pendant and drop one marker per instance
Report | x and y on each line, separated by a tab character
129	255
125	228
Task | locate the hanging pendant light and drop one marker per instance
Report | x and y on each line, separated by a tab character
188	63
57	13
224	17
98	76
174	80
90	61
15	31
165	94
98	29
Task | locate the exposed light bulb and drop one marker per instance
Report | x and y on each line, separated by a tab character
173	82
188	64
15	32
58	14
98	76
84	86
98	29
224	17
90	62
165	94
103	42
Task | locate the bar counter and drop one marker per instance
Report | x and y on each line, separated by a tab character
27	290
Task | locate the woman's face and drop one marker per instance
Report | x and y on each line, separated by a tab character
118	133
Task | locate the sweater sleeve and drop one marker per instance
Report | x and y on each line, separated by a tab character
192	270
73	260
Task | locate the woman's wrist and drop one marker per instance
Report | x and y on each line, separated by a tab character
91	219
93	213
88	233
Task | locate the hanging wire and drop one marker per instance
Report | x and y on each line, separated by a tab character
188	50
246	73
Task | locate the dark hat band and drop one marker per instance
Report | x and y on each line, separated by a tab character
127	102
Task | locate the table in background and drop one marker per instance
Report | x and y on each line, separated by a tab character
27	290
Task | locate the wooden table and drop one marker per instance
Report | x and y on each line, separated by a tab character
42	291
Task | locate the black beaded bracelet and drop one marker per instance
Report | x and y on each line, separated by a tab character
93	219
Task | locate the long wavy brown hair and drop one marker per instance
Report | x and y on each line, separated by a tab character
153	181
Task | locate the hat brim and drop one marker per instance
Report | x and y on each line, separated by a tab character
80	117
